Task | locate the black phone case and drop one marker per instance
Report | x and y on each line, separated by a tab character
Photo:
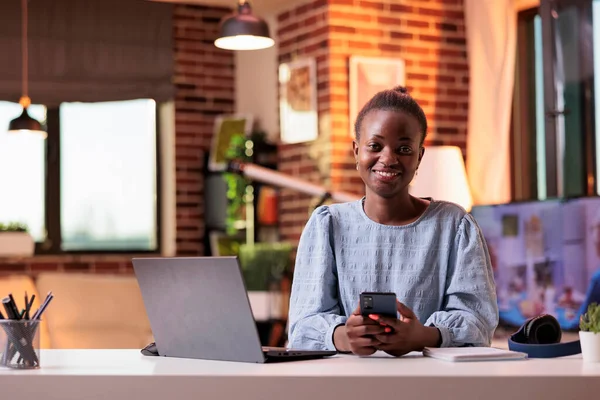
378	303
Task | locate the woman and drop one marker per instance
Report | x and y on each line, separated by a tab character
430	253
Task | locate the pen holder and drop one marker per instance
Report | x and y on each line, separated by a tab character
19	344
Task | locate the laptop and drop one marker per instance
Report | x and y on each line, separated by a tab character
198	307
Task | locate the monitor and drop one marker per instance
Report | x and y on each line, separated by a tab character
545	256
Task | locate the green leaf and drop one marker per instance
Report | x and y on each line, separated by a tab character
13	227
236	183
590	320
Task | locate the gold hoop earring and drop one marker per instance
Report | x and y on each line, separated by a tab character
357	165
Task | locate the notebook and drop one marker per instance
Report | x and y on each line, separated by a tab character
456	354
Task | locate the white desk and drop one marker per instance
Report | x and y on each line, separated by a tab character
126	374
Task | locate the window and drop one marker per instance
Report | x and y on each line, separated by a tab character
527	128
96	171
556	130
22	171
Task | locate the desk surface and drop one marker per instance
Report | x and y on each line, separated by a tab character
116	374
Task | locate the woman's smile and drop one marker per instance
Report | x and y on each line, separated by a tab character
385	175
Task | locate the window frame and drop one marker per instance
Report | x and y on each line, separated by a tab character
524	176
52	219
523	146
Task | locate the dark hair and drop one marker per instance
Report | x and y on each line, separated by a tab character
396	99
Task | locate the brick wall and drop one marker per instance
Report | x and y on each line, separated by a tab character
204	79
428	35
303	32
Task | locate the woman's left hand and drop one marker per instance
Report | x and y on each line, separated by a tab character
405	334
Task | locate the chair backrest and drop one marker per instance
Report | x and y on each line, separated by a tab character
18	285
95	311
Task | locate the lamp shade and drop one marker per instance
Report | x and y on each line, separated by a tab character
442	176
243	31
25	122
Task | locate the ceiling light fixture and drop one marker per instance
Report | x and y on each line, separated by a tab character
24	123
243	30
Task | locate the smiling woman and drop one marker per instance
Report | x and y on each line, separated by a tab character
390	131
430	253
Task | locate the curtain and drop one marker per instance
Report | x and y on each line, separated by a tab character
92	50
491	28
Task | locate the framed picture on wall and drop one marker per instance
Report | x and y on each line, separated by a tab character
369	76
225	128
298	101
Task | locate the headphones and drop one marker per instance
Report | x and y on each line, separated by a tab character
540	336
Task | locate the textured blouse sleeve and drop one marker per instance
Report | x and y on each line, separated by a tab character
314	304
469	313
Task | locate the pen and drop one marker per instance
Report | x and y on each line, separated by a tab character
13	305
40	311
25	309
10	312
30	305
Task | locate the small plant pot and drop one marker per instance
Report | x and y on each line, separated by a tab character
590	346
16	244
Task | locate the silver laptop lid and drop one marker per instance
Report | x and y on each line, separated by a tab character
198	307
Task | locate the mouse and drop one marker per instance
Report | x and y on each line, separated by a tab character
150	350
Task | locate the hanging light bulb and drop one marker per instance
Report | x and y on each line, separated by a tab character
243	30
24	122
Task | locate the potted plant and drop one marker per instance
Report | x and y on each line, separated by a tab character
589	333
263	263
15	240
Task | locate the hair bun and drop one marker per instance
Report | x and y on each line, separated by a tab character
401	89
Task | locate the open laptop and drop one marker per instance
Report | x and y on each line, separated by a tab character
198	307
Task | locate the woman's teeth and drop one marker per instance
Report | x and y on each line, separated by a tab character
388	174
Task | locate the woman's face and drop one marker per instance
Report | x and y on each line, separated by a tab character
388	152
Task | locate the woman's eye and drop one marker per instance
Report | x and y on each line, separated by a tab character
405	150
374	146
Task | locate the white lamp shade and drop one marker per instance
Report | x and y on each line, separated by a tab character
442	176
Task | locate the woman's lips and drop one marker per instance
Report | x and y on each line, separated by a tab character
386	176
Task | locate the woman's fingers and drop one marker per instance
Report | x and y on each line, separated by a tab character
365	342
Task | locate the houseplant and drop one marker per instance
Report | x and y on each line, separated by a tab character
236	184
589	333
15	240
263	263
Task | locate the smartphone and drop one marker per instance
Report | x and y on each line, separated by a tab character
383	304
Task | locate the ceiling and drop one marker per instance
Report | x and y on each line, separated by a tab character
259	6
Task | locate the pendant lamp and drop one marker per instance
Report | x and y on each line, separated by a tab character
243	30
24	123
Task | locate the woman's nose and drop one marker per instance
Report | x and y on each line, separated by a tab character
388	157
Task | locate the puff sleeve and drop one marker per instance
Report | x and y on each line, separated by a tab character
314	303
469	313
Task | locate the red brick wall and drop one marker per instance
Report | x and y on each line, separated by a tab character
204	79
204	76
303	32
428	35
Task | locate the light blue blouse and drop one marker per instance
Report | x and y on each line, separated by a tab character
439	266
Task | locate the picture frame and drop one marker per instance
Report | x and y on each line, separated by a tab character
225	127
298	112
369	75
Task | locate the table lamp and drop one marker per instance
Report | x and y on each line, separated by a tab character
442	176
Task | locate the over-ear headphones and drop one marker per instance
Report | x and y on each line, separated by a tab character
540	336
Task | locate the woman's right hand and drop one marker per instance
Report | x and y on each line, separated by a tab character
359	334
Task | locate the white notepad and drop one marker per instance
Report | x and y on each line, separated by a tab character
456	354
